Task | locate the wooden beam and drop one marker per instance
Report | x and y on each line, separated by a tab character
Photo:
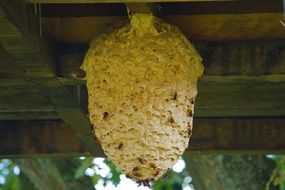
171	8
21	99
241	79
217	27
21	139
240	135
29	139
230	26
14	115
8	66
34	53
142	7
218	96
245	78
235	96
21	38
114	1
252	58
241	96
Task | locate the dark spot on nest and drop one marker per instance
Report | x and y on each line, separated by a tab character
156	173
121	145
175	95
188	125
171	120
152	165
141	160
104	81
145	183
135	172
189	113
192	101
105	115
189	132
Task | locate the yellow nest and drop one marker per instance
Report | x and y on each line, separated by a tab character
141	82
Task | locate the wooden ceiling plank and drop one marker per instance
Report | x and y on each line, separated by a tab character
252	58
115	1
34	54
210	27
210	135
233	96
23	39
245	78
19	115
241	96
218	96
171	8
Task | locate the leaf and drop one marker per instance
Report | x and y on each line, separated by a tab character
115	179
80	172
95	179
13	182
277	181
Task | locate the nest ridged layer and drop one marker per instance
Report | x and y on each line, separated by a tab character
142	84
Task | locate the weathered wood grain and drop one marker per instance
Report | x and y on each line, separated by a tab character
32	139
253	58
34	53
19	115
218	27
21	37
241	96
233	96
8	66
210	135
20	95
113	1
244	78
246	135
218	96
171	8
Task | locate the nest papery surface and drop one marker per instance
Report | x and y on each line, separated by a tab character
142	84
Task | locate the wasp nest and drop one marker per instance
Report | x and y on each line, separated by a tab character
141	82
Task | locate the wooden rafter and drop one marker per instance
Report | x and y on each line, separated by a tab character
241	79
207	27
172	8
115	1
34	54
210	135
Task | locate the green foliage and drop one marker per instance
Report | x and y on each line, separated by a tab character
172	181
278	176
12	181
80	171
114	173
88	163
84	173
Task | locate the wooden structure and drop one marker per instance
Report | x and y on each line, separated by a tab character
43	101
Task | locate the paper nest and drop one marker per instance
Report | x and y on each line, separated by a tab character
141	82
